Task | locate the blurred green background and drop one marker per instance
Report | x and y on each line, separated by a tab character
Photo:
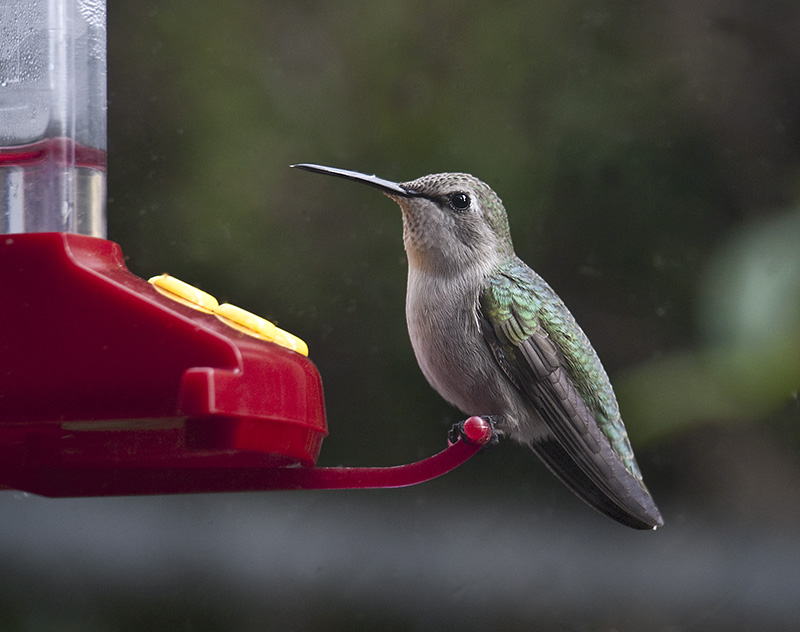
648	156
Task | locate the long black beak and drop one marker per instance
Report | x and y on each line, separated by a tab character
374	181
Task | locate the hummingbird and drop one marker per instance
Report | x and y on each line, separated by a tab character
494	340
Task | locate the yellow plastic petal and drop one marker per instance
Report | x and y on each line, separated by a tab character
184	293
290	341
245	321
233	316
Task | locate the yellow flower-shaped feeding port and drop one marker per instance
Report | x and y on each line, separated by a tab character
233	316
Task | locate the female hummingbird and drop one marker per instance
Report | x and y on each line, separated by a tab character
495	340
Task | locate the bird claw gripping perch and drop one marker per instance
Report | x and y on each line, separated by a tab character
475	431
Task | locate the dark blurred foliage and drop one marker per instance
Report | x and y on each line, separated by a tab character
632	143
647	154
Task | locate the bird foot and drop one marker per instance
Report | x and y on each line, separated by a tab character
475	430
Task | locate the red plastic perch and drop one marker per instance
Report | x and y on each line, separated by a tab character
110	481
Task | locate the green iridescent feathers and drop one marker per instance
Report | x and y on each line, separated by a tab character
519	304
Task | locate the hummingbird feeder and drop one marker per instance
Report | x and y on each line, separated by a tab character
110	384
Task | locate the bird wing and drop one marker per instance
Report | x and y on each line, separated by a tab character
545	354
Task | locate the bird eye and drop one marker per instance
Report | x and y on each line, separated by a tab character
458	201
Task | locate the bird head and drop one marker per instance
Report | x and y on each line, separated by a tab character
452	222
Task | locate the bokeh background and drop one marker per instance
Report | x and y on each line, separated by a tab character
648	155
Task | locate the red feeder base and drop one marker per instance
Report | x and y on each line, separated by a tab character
107	387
